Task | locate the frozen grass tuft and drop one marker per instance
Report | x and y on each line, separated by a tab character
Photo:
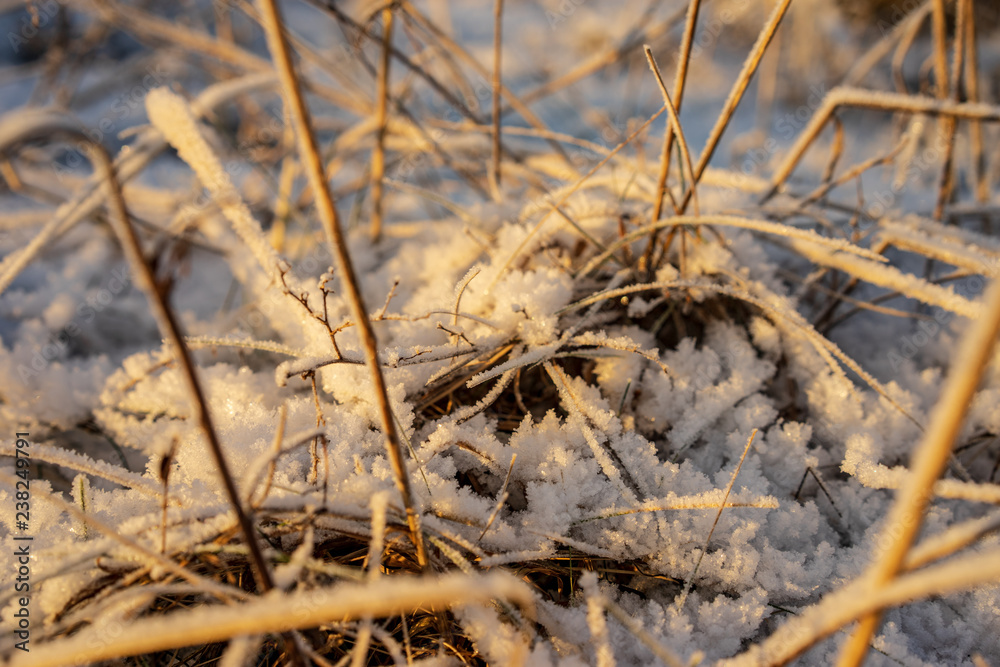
443	353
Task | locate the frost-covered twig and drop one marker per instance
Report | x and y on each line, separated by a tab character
595	620
951	541
668	657
72	460
469	411
606	457
621	343
412	357
201	342
501	499
859	463
676	503
959	253
890	278
860	598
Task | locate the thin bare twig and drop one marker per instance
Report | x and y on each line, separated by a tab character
722	506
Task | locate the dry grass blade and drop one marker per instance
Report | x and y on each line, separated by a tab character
930	459
381	119
497	48
972	95
296	610
313	167
679	81
939	32
675	129
948	124
885	101
668	137
735	95
860	598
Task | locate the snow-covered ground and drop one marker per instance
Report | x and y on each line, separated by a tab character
569	404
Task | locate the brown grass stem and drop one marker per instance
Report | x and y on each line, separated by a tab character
972	95
735	95
674	123
381	119
884	101
497	49
313	166
929	460
680	80
948	125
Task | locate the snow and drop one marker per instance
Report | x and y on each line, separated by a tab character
590	412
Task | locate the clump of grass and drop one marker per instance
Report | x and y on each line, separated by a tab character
317	578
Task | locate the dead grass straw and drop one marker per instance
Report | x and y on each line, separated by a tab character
929	461
313	166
